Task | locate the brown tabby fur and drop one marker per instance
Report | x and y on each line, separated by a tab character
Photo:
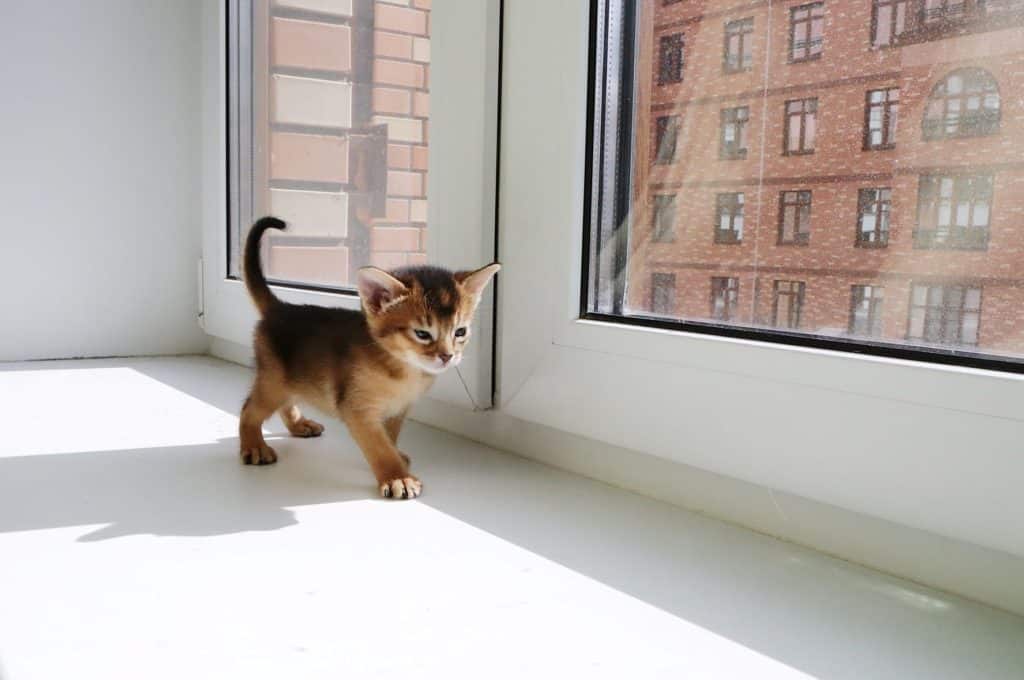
366	367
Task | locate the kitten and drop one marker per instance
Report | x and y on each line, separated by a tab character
366	367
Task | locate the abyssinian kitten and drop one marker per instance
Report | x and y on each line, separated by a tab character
366	367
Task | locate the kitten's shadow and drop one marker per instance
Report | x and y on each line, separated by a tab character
200	490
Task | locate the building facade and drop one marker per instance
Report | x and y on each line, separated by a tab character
849	167
342	99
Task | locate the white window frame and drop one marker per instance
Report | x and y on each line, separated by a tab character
946	449
461	182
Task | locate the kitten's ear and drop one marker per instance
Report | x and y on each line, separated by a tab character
379	290
475	282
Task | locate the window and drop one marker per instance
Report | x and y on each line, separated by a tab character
806	28
787	304
888	20
725	294
859	202
795	217
664	223
866	310
935	11
963	104
666	138
729	218
1001	6
880	118
945	314
670	59
874	206
663	293
801	126
323	145
733	142
739	55
953	211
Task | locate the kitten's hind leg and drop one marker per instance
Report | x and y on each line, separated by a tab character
297	425
261	404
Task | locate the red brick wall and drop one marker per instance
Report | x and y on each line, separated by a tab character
831	263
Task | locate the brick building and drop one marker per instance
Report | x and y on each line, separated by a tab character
344	126
836	167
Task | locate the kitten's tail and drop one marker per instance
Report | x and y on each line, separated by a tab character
254	279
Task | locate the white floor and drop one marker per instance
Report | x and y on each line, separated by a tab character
134	545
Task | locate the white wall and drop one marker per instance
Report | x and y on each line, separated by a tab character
99	177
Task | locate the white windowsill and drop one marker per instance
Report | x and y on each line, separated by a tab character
184	559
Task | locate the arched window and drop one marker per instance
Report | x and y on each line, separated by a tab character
963	104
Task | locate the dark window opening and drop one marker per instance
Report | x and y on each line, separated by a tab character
866	310
963	104
880	118
725	296
953	211
806	31
663	293
801	126
670	59
787	304
795	218
733	142
945	314
873	208
729	218
739	54
664	220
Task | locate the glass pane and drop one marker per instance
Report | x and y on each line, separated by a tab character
941	211
335	98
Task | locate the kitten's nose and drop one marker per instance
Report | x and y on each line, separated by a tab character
445	358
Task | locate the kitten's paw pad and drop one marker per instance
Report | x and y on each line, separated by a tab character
306	428
258	455
406	487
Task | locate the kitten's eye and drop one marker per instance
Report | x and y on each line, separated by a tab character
423	336
460	332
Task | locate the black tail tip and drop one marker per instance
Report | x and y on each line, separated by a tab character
270	223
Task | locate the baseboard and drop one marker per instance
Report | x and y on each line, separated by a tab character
964	569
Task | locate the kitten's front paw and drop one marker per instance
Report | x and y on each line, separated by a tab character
406	487
258	455
306	428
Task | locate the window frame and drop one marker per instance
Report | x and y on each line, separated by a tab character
731	297
890	119
661	203
808	57
803	114
724	151
944	309
736	208
677	43
795	291
664	125
666	277
934	129
894	34
929	202
876	305
466	124
800	238
652	384
883	240
744	38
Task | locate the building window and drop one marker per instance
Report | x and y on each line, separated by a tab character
888	20
670	59
963	104
663	293
801	126
996	6
806	30
739	54
880	118
945	314
953	211
664	222
795	218
935	11
666	138
787	304
729	218
873	209
866	310
733	143
725	295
